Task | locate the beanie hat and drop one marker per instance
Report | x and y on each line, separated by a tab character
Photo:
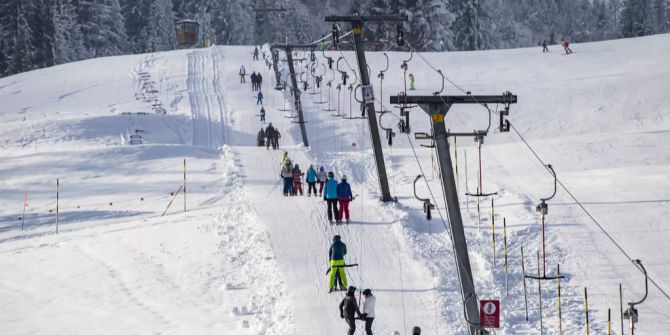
351	290
337	238
321	169
367	292
344	177
331	174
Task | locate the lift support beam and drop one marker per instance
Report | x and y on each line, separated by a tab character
437	107
294	81
357	29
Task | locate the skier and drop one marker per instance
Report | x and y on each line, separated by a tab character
321	177
253	81
368	310
284	157
344	196
544	46
287	175
311	180
276	139
349	309
270	133
259	81
330	196
297	180
262	113
255	53
411	82
566	46
336	255
243	72
261	138
259	98
416	331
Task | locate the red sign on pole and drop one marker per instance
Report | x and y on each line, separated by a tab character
489	313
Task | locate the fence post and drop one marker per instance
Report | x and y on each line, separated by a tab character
493	231
621	307
539	290
560	321
586	309
525	291
25	203
57	203
505	251
609	321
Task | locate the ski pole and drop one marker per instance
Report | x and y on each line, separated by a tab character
275	187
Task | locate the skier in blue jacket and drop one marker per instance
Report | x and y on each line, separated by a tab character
330	196
310	178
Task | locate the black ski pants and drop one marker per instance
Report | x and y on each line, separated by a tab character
352	325
368	326
332	207
311	186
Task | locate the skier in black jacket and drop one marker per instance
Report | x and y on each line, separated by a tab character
349	309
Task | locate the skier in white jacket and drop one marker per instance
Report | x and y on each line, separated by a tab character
368	312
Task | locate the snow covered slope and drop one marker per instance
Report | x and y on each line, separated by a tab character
243	259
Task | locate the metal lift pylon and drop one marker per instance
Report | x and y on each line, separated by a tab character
437	107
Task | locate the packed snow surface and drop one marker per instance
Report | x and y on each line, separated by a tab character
134	254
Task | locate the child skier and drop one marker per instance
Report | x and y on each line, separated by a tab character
311	180
344	196
259	98
297	180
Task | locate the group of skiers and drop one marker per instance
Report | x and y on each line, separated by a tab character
564	43
336	195
268	137
256	81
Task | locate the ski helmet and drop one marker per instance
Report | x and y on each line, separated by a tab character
344	177
331	174
367	292
336	238
351	289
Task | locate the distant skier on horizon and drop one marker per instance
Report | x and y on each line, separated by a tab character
566	46
544	46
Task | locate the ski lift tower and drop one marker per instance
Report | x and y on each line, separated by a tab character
288	48
357	22
436	107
